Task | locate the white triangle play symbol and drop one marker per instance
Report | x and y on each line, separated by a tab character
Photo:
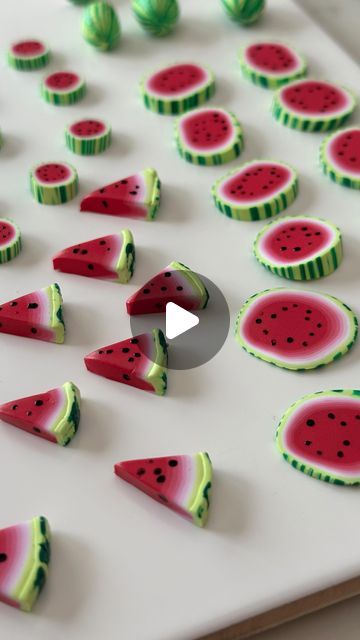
178	320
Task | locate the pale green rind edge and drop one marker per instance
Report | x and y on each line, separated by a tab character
345	180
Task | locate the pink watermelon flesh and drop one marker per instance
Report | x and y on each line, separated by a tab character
24	317
314	97
7	232
271	58
207	130
14	552
295	240
256	182
34	413
87	128
28	48
179	78
122	198
52	173
344	151
95	258
62	80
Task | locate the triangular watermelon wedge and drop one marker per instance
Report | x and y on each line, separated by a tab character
136	196
182	483
36	315
24	559
140	362
53	415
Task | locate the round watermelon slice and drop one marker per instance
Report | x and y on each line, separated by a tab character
88	137
208	136
24	559
54	182
340	157
299	248
271	64
313	105
63	88
320	436
177	88
296	330
10	240
182	483
28	55
257	190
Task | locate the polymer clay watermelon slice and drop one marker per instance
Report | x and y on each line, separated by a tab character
340	157
313	105
320	436
110	257
177	88
182	483
208	136
136	196
10	240
294	329
54	182
271	64
176	283
35	315
24	560
63	88
53	415
256	190
28	55
88	137
140	362
300	248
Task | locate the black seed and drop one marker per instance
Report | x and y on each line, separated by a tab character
161	479
258	321
137	355
140	472
179	288
109	350
126	377
290	340
134	340
173	463
157	471
308	443
91	267
319	453
273	315
102	242
340	454
3	557
297	248
346	443
146	290
33	305
273	342
319	325
13	304
343	423
131	360
125	350
331	416
38	403
76	250
163	288
15	406
83	252
265	332
285	308
304	344
33	330
357	417
308	311
310	422
37	430
167	274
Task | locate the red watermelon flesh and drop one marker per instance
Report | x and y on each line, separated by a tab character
122	198
295	240
52	173
96	258
62	81
314	97
344	151
273	58
27	316
87	128
35	414
255	182
28	48
15	550
177	79
210	129
7	232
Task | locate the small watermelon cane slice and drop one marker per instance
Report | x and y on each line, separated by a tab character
176	283
53	415
88	137
136	196
182	483
271	64
320	436
63	88
177	88
24	560
256	190
139	362
296	330
340	157
36	315
10	240
312	105
54	182
208	136
300	248
110	257
28	55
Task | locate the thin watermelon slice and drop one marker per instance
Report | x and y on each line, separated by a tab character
320	436
177	88
296	330
28	55
271	64
136	196
176	283
24	560
10	240
340	157
110	257
53	415
35	315
256	190
140	362
313	105
300	248
182	483
63	88
208	136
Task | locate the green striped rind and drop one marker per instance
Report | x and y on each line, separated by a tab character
56	312
194	280
81	2
101	26
87	145
278	202
63	98
154	205
244	11
67	427
126	262
168	106
303	465
36	571
157	17
322	264
270	81
226	154
54	193
336	175
28	63
199	502
11	250
341	349
157	374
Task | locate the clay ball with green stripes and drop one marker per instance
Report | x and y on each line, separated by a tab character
101	26
157	17
244	12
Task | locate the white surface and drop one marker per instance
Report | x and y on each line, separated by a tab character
178	320
124	566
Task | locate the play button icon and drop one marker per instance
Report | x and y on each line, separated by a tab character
178	320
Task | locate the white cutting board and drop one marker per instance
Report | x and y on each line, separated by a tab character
124	566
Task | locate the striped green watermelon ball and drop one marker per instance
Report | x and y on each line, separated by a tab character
157	17
244	12
101	26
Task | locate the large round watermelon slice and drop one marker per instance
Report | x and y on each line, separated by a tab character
208	136
28	55
10	240
255	191
182	483
271	64
177	88
320	435
340	157
313	105
300	248
294	329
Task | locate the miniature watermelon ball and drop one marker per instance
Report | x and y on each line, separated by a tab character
157	17
244	12
101	26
